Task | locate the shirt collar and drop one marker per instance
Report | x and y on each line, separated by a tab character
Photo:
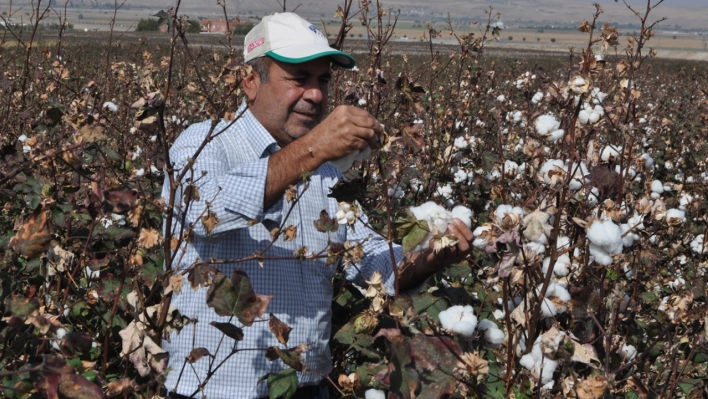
258	138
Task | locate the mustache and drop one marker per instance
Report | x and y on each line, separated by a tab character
304	107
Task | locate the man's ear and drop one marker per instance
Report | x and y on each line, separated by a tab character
250	85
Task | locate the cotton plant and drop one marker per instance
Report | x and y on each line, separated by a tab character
438	218
548	127
537	361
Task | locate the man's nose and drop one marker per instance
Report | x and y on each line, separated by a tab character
313	93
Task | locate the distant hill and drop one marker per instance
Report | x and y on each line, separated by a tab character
686	14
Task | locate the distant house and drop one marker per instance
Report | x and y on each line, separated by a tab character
219	25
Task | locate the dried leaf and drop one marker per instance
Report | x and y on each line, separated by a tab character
591	387
149	238
290	193
229	330
279	329
326	223
292	357
33	237
119	202
290	233
209	221
196	354
235	297
117	388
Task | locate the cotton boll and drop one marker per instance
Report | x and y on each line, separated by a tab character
548	308
648	161
545	124
560	268
607	235
629	352
374	394
546	369
657	188
460	176
343	164
534	248
494	336
600	255
459	319
697	245
593	117
555	135
444	191
584	117
610	152
486	324
502	211
110	106
628	238
553	171
463	213
537	98
481	236
527	361
461	143
675	216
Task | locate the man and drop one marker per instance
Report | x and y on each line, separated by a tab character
242	175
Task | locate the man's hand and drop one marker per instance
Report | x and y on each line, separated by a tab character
345	130
418	266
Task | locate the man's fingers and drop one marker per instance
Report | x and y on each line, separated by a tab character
463	244
463	229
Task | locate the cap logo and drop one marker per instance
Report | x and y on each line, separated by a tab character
255	44
317	31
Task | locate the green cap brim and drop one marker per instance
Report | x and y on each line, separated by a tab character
338	58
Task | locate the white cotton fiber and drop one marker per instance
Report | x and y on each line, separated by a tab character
697	245
343	164
463	213
628	352
607	236
374	394
628	237
548	308
610	152
459	319
527	361
561	268
674	215
478	241
600	255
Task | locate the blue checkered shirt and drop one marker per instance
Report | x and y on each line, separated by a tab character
236	163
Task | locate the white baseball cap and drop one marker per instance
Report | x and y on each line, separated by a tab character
288	38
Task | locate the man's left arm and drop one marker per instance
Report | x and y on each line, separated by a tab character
414	268
418	266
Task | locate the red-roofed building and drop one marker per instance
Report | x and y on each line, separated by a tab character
219	25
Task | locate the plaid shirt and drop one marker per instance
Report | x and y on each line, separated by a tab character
236	163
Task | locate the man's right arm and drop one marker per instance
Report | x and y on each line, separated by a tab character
344	131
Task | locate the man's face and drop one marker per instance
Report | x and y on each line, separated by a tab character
293	100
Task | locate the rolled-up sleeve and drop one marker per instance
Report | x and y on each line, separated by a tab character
232	195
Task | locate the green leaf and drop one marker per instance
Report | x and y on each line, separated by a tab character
235	297
403	379
19	306
416	234
648	297
281	384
